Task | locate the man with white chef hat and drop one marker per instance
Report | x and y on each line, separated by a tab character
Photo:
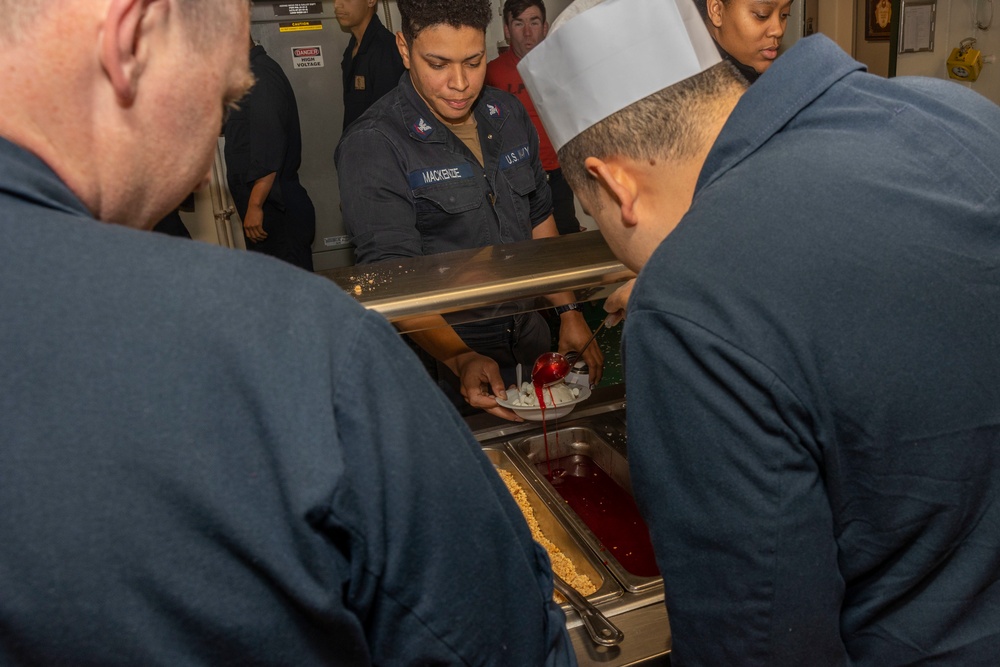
811	350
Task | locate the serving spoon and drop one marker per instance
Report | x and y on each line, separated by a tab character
551	367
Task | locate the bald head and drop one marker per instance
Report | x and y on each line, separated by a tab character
123	99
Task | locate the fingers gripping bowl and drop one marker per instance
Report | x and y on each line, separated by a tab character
560	400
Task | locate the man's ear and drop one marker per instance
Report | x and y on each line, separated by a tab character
619	182
404	49
506	33
122	45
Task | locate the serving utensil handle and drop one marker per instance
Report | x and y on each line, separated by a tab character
601	630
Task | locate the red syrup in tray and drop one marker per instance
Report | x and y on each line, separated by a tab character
607	509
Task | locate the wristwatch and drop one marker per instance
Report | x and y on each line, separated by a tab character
568	307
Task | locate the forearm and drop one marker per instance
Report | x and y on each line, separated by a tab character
261	189
479	376
435	336
253	220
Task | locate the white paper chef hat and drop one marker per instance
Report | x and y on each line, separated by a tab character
603	55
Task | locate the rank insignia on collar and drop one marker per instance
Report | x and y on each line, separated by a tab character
422	128
494	109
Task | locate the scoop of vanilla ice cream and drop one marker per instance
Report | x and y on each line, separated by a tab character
558	393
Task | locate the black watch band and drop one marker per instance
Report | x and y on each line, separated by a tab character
568	307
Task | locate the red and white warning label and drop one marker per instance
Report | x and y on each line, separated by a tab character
304	57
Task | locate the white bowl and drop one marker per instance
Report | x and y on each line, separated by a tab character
534	414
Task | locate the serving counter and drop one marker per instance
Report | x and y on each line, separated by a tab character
592	435
635	603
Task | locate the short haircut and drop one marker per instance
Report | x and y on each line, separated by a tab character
415	15
667	125
514	8
203	17
18	14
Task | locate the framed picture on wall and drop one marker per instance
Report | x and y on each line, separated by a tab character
878	16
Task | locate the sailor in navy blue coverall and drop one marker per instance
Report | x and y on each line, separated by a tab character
263	155
811	351
410	186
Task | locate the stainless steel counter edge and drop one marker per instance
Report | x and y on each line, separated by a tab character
645	644
455	281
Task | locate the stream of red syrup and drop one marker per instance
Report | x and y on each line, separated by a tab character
549	367
539	392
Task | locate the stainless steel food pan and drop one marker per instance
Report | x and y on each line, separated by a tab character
557	532
584	442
